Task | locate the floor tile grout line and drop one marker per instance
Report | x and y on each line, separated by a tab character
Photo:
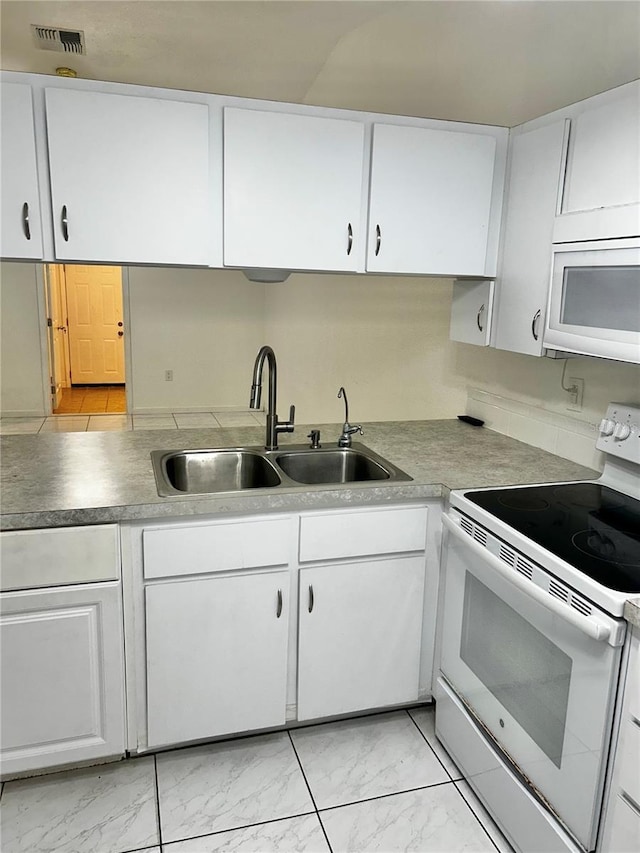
386	796
477	817
157	796
313	799
426	740
237	828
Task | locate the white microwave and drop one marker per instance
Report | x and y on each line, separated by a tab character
594	299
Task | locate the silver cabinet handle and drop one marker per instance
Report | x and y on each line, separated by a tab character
26	227
378	239
310	598
479	315
349	238
534	326
279	606
65	223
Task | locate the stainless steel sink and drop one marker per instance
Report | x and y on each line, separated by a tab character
235	469
341	465
206	471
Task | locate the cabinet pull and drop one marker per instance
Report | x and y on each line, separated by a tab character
310	598
479	315
349	238
279	606
26	227
378	239
534	327
65	223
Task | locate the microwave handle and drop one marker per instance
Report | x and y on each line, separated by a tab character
589	625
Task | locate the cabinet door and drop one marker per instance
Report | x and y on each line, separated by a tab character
216	656
292	191
471	309
536	169
129	178
20	234
62	675
430	201
360	628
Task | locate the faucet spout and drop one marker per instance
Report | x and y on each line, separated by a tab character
347	429
273	426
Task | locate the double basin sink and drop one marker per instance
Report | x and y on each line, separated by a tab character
236	469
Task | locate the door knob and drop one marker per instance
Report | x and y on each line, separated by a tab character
120	334
121	324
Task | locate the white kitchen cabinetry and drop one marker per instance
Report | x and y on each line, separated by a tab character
292	191
20	234
534	176
129	178
62	651
471	312
430	201
216	655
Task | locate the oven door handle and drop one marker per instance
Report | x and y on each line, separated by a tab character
589	625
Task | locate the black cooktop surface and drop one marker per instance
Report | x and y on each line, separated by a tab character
590	526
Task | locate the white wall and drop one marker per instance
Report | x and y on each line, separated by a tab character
204	325
21	377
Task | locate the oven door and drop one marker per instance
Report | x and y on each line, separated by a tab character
539	675
594	300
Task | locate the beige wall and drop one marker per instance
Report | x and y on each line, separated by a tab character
21	377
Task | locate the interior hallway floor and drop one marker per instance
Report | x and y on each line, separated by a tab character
375	783
92	400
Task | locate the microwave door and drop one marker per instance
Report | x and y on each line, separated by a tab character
540	685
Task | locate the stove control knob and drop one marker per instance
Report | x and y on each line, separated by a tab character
621	431
606	426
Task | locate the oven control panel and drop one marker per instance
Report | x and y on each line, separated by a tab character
619	432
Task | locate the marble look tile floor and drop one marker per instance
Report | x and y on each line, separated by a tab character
374	783
122	422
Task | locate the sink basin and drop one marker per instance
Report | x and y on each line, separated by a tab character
206	471
342	465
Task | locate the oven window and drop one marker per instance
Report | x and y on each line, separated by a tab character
601	297
523	669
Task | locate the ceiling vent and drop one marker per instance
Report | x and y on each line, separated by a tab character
63	41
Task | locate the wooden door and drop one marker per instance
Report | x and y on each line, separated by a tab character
59	362
292	191
430	201
360	634
62	676
96	324
216	656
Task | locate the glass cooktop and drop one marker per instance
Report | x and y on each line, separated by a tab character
591	527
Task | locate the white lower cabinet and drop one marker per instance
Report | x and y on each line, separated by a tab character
216	655
62	664
359	643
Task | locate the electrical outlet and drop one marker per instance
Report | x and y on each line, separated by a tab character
576	394
168	376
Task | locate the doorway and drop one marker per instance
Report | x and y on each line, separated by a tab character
85	339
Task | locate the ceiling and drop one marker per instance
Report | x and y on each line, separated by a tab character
490	61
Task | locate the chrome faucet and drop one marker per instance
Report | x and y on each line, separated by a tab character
273	425
347	429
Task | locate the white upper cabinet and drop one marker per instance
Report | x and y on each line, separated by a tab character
430	201
293	188
471	310
536	165
20	234
129	178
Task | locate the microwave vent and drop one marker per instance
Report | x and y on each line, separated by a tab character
63	41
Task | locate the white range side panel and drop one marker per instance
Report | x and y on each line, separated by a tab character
430	201
536	168
292	188
471	312
133	173
19	175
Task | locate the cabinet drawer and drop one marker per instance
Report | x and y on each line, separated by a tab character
629	779
361	534
220	547
62	555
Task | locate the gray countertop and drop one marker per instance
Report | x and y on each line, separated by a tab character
632	611
97	477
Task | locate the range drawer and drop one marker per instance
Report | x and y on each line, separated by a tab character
216	547
60	555
331	536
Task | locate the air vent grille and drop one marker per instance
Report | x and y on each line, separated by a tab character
581	606
558	590
480	536
63	41
507	555
466	525
524	568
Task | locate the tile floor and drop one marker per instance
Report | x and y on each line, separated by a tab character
92	399
377	783
120	422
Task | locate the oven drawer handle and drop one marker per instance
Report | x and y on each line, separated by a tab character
587	624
